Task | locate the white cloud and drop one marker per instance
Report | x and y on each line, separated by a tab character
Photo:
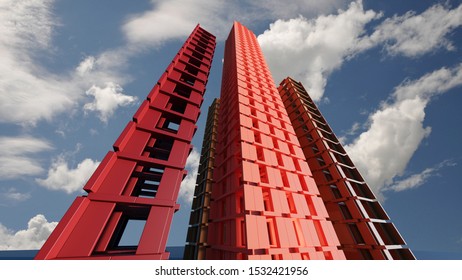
29	93
287	9
416	180
171	19
17	156
350	132
415	34
188	184
12	194
61	177
38	230
174	19
311	49
396	130
108	66
86	65
107	100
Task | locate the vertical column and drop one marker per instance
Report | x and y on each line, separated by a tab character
265	204
198	222
137	184
362	226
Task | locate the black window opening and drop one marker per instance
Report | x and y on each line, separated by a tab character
314	148
199	49
345	212
178	105
202	45
161	149
327	175
198	55
335	191
366	254
192	70
194	61
148	182
182	90
188	79
321	161
356	234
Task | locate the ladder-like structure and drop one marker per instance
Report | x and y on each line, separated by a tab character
139	181
200	209
362	226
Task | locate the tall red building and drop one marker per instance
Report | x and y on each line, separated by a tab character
139	181
264	202
362	226
283	187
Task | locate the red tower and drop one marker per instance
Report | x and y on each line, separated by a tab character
265	203
140	179
362	226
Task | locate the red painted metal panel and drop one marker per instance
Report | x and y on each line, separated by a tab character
89	226
261	168
54	243
250	172
117	177
100	173
141	179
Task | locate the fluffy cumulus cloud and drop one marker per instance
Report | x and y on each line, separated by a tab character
37	232
62	178
173	19
189	183
102	72
31	93
169	19
311	49
396	130
409	34
107	100
18	156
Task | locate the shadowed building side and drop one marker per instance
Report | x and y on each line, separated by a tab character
361	224
198	223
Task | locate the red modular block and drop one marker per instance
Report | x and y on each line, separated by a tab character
264	203
140	180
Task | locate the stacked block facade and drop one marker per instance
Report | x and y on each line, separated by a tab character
361	224
139	180
198	229
265	203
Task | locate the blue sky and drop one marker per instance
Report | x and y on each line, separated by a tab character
387	75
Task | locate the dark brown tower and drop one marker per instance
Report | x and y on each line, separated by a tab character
198	222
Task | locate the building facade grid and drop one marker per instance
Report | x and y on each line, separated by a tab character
362	225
